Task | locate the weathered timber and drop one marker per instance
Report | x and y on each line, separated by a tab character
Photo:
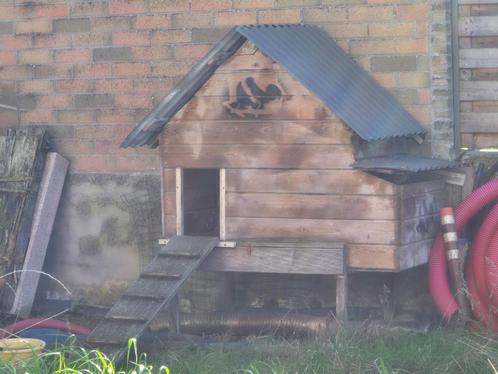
479	122
44	216
349	231
352	182
22	156
331	131
283	205
479	58
147	296
472	90
478	26
259	156
279	257
289	107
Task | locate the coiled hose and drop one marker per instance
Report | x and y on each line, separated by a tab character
481	268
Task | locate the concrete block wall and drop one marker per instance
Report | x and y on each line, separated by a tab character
89	70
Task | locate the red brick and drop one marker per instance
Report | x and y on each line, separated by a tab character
115	116
51	41
74	85
15	41
137	162
34	26
72	117
10	72
413	12
35	86
42	10
279	16
171	37
160	6
37	116
133	69
152	53
114	23
191	51
7	58
211	4
373	47
113	85
92	70
8	12
235	18
391	29
252	4
414	46
94	132
190	20
54	101
131	38
134	101
171	68
128	7
89	8
75	147
156	21
35	57
93	163
371	13
73	55
153	85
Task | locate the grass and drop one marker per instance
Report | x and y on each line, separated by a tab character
441	351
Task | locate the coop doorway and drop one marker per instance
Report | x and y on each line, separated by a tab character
200	202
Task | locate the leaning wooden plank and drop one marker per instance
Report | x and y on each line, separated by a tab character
46	208
478	26
473	91
479	58
22	156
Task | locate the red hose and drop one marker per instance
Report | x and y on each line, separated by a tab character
43	323
483	257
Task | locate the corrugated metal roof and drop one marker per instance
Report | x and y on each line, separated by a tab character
403	163
313	58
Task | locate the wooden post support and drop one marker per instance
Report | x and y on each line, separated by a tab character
174	316
222	204
341	297
179	201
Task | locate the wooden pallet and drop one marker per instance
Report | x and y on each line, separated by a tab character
154	290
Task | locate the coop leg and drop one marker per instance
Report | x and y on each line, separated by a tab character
341	297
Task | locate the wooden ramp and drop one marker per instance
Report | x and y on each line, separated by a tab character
150	293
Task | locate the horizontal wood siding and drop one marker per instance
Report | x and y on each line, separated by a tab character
478	59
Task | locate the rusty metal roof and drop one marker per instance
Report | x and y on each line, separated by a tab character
403	162
314	59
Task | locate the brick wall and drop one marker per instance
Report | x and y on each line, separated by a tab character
91	69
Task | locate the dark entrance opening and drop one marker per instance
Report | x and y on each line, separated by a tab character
201	202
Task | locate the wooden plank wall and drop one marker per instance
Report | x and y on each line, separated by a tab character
288	163
478	51
288	173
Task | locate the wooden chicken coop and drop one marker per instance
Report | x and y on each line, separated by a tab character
282	148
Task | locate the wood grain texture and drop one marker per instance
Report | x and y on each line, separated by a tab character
259	156
349	231
281	205
288	259
481	90
290	107
479	58
339	182
478	26
332	131
479	122
49	194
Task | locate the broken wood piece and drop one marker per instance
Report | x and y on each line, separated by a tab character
46	208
